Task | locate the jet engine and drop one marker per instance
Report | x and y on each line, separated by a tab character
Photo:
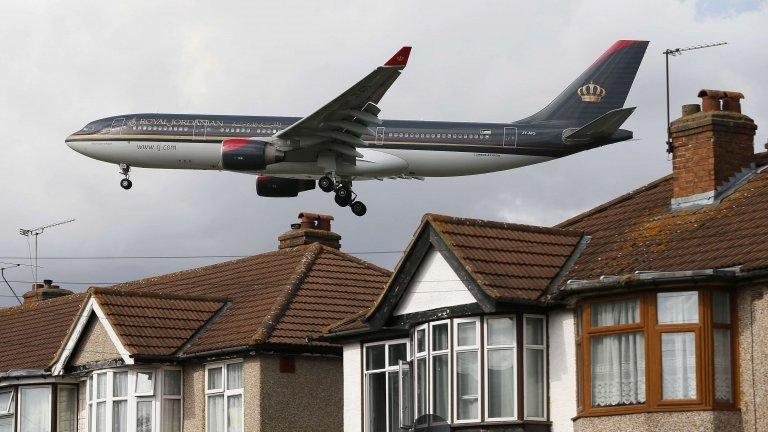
238	154
278	187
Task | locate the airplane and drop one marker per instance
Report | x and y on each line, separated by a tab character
345	140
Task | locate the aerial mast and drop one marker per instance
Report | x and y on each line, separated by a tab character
36	233
676	52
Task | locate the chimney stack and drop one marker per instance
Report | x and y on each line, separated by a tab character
713	148
44	291
312	228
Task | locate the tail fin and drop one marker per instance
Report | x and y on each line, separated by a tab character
603	87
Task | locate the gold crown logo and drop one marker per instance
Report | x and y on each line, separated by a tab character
591	92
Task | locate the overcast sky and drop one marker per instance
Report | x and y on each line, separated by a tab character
67	63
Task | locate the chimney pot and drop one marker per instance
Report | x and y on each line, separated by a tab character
689	109
732	101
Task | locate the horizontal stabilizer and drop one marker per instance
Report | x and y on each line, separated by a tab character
600	128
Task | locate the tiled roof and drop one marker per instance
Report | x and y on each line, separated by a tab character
279	297
31	334
639	232
509	261
153	324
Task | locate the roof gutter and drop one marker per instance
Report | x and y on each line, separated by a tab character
24	373
606	284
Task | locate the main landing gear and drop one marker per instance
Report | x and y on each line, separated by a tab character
344	196
125	183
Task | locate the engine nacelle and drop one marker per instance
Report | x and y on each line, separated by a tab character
239	154
278	187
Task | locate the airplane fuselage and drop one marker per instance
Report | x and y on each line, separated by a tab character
396	148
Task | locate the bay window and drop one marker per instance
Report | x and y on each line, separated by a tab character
382	381
35	409
224	397
130	400
441	371
421	375
7	409
500	366
535	367
646	352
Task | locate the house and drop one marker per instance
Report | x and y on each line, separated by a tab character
647	313
229	347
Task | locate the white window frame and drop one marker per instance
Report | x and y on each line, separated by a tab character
543	348
415	372
386	371
486	348
430	368
10	410
131	398
456	350
50	403
227	393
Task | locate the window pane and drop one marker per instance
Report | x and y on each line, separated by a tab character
441	391
397	352
534	383
534	331
421	344
467	385
235	413
35	409
215	379
144	416
615	313
101	417
172	382
466	333
6	424
678	365
376	397
171	415
144	382
421	389
374	357
120	416
101	386
723	368
721	307
234	376
393	401
214	418
678	307
501	331
440	337
618	369
406	395
66	409
501	383
120	384
5	401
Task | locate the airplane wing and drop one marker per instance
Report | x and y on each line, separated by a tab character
341	122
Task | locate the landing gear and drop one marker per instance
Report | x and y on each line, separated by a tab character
125	183
344	196
358	208
326	184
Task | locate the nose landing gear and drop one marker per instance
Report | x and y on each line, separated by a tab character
125	183
344	196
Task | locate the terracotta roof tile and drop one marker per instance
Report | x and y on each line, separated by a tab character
639	231
31	334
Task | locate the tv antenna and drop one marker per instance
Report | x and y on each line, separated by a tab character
36	233
676	52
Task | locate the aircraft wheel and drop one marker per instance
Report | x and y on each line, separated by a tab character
358	208
326	184
343	196
126	184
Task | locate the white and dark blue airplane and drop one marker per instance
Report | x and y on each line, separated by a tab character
345	140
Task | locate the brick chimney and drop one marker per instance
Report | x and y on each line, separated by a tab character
44	291
713	148
313	228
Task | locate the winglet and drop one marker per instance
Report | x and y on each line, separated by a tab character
400	58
